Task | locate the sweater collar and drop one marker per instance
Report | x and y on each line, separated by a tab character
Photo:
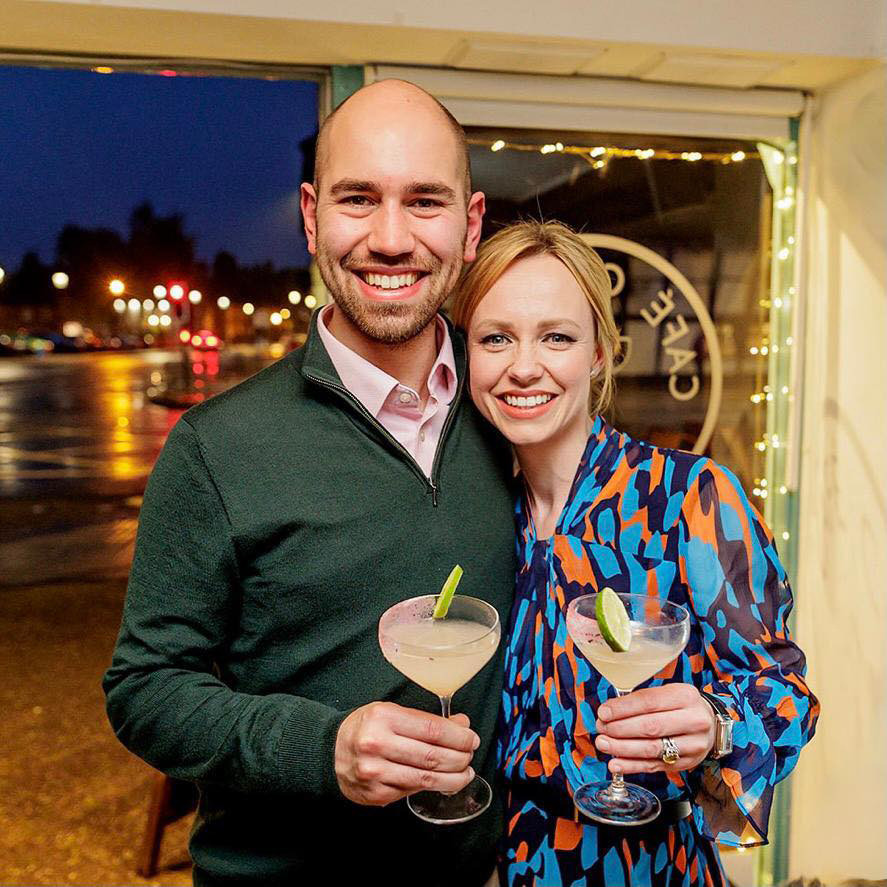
316	362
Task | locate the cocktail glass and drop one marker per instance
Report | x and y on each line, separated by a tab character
659	632
442	655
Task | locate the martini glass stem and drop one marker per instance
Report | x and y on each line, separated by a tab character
445	706
617	782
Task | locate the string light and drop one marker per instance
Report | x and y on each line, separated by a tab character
607	152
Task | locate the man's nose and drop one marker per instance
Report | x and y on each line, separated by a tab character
390	234
525	368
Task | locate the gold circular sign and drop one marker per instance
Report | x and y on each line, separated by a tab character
661	310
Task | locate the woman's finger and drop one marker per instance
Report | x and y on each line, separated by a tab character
658	724
690	746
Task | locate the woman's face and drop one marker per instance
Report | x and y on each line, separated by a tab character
532	349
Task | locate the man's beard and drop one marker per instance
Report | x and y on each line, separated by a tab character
388	322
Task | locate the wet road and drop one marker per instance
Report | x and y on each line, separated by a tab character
78	437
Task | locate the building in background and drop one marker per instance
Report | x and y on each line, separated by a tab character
729	162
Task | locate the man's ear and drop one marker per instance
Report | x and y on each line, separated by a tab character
476	208
308	205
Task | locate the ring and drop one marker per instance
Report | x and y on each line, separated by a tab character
670	753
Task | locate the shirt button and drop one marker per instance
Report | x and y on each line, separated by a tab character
421	437
405	397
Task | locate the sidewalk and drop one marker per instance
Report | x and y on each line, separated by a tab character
73	800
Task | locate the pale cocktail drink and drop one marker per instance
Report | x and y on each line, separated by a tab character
440	654
649	634
644	658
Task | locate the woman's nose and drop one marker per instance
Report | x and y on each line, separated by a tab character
390	234
526	367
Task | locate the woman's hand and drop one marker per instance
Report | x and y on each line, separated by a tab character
631	728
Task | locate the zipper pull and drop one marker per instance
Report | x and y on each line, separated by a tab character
433	493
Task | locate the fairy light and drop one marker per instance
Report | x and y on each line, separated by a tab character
606	152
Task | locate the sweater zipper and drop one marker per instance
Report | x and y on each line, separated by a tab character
435	465
344	392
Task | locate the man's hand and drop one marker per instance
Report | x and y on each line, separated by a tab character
631	728
385	752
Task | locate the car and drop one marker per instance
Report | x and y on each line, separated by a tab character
205	340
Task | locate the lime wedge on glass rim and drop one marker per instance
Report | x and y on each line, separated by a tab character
445	598
612	619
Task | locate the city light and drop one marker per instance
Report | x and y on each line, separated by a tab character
163	306
195	296
295	297
2	275
248	308
276	319
166	320
310	301
285	313
148	304
153	320
223	302
176	291
159	291
60	280
119	306
117	287
185	336
134	304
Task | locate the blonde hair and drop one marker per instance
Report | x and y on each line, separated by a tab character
525	239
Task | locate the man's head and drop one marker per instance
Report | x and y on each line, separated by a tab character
390	215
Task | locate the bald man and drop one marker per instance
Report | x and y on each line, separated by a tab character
285	516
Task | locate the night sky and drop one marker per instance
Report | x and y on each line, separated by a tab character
86	148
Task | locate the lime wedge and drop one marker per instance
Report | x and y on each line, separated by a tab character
445	598
612	619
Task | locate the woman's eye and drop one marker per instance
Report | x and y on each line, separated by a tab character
494	340
559	339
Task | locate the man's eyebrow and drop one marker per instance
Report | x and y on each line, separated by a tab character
344	186
434	189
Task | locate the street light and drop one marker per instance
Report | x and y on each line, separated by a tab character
223	302
163	306
295	297
134	304
117	287
148	304
119	306
310	301
60	280
176	291
248	308
159	291
276	319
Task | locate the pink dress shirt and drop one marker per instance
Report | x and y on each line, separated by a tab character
397	407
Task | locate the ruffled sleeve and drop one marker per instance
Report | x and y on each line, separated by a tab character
739	592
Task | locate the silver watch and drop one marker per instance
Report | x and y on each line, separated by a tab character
723	727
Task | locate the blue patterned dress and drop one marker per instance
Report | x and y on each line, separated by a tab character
677	526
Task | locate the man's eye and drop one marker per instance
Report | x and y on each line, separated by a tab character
426	203
494	340
356	200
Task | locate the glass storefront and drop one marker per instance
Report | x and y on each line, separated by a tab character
685	227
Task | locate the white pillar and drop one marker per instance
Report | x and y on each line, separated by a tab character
839	799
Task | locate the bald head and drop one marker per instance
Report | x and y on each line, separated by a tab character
390	99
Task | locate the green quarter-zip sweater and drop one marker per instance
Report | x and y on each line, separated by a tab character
280	521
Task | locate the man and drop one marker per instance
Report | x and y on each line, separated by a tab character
285	515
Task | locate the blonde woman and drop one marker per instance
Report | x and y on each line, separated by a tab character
600	509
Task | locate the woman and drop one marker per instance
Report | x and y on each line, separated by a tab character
600	509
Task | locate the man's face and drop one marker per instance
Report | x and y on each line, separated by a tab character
390	226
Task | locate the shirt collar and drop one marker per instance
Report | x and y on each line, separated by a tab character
373	386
